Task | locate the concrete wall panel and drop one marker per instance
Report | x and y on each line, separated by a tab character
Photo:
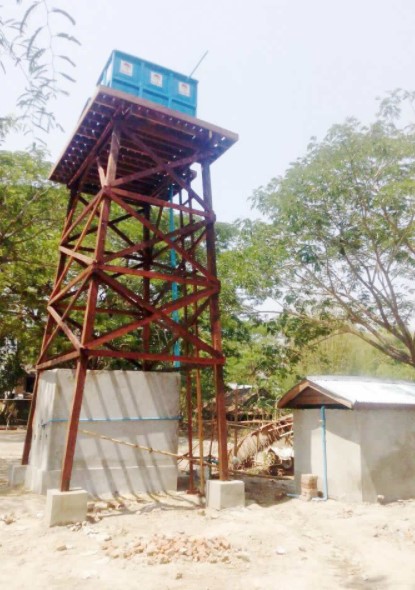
343	451
128	405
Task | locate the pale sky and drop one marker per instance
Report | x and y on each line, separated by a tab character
277	72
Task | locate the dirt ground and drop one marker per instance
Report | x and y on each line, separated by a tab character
274	543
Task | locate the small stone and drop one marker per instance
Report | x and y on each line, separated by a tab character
254	506
244	556
179	576
280	551
89	575
61	548
8	519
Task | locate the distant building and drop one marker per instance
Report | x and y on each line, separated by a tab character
370	436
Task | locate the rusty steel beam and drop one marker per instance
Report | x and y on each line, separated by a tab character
137	289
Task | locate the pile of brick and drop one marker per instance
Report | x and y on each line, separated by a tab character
160	549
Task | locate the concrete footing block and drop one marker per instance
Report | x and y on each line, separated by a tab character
17	475
225	494
65	507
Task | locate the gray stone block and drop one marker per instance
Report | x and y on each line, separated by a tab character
225	494
65	507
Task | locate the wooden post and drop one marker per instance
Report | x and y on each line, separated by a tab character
216	331
235	435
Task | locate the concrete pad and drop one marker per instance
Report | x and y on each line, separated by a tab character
65	507
17	475
224	494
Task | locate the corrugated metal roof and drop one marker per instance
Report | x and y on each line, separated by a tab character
367	390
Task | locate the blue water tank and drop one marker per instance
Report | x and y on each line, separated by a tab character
147	80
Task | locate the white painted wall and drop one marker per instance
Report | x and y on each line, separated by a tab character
370	452
388	453
101	466
343	451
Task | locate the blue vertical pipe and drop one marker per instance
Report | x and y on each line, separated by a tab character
324	445
174	288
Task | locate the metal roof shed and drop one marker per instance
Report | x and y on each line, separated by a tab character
370	435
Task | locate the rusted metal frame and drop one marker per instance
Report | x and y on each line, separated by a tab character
202	361
159	202
80	376
199	402
70	211
164	237
184	288
65	329
163	290
115	229
104	137
149	129
134	176
89	321
59	296
75	247
107	310
149	274
164	266
74	195
197	241
157	117
152	242
80	257
157	315
101	172
216	332
114	152
136	258
67	463
58	360
169	168
147	256
108	345
188	322
73	201
163	149
69	308
195	227
92	204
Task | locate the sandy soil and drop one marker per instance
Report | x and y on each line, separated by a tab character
275	542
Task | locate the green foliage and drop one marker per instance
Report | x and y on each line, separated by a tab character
32	216
10	367
32	40
346	354
339	240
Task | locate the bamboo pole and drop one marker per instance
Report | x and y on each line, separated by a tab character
141	447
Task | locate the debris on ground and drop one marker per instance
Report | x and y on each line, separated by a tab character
160	549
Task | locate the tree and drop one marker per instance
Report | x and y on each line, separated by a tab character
33	41
337	248
33	210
